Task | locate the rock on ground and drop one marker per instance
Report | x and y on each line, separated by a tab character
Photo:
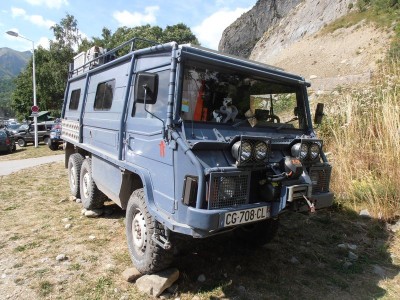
155	284
94	213
131	274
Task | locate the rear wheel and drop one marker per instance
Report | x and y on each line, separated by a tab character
258	234
46	140
91	196
146	255
74	171
21	142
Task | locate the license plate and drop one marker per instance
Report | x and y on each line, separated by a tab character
246	216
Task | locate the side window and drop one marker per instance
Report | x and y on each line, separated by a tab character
160	107
74	101
104	95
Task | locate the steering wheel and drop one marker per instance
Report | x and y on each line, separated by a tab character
272	118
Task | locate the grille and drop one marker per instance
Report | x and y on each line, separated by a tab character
227	190
320	177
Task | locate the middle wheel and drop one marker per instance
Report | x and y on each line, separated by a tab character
91	196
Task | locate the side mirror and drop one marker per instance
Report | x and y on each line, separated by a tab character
148	81
319	113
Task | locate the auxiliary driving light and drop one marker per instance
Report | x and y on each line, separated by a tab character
260	150
314	151
251	151
306	150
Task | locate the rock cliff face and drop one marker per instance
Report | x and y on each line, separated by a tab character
272	25
243	34
290	35
300	22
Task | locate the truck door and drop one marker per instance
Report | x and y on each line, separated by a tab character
144	143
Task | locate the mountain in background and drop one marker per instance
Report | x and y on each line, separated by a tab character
12	62
327	41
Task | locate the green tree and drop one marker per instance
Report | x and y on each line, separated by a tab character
179	33
67	33
52	65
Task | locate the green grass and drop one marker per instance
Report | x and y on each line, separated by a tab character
30	152
28	246
45	288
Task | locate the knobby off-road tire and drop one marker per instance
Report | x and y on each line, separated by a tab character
146	255
74	171
257	234
91	196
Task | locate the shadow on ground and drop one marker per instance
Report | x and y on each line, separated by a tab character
333	254
328	255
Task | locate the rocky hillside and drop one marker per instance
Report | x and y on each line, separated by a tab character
241	37
296	37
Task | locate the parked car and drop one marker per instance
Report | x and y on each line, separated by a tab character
7	142
55	136
28	134
16	128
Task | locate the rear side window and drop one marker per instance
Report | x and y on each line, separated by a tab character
74	101
104	95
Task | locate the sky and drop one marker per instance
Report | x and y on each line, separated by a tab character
32	19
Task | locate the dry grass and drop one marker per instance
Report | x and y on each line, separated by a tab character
34	212
29	152
362	132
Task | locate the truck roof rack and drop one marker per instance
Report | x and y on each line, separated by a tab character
96	56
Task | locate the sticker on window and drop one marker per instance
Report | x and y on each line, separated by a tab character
185	105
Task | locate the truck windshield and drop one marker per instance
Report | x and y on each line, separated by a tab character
213	94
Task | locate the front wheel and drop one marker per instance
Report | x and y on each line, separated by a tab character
258	234
91	196
53	146
146	255
21	142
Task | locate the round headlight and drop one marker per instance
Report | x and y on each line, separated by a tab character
245	151
314	151
300	150
260	150
227	187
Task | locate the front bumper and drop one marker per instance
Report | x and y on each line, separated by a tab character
213	220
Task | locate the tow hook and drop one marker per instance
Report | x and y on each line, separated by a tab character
310	204
161	241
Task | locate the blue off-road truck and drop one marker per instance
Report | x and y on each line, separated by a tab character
190	142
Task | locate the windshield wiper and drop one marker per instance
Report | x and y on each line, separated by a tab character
283	124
